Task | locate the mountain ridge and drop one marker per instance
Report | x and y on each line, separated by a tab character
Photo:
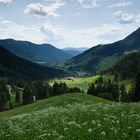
35	52
100	56
74	51
14	67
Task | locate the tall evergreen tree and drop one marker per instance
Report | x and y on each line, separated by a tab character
136	95
4	95
17	97
27	95
115	92
55	89
123	94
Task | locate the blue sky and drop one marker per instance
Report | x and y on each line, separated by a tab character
69	23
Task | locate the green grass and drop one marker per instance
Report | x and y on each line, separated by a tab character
72	117
82	83
128	84
13	97
69	98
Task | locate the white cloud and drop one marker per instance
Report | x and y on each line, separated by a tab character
88	3
88	37
5	2
64	37
9	29
41	10
120	4
137	18
59	1
52	34
45	33
124	18
36	9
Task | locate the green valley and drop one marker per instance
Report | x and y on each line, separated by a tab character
54	86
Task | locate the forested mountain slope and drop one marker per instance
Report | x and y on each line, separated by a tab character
127	67
12	66
102	56
43	53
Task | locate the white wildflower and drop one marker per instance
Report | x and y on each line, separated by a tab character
93	122
138	130
89	130
103	133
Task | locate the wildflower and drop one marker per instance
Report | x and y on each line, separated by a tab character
103	133
117	121
138	130
61	137
99	125
124	134
42	136
85	123
113	121
72	123
129	127
78	125
65	129
93	122
90	130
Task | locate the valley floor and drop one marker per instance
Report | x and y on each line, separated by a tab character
72	117
84	82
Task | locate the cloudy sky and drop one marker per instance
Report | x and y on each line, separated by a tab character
69	23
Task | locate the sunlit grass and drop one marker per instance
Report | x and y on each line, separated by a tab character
81	82
72	117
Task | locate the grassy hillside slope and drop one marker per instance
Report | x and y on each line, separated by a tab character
71	117
57	101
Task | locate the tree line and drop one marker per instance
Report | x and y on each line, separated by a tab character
32	91
112	90
42	90
4	96
37	90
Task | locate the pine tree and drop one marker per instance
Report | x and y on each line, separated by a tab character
115	92
55	89
123	94
27	95
17	97
92	89
136	95
4	95
2	100
116	78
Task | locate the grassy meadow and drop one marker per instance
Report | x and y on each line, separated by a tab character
81	82
84	82
72	117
